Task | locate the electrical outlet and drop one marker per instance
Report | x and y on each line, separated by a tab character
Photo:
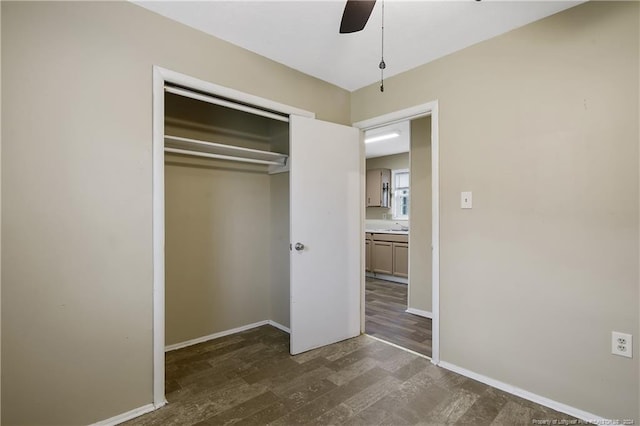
621	344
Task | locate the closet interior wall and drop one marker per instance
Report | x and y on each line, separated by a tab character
226	225
279	236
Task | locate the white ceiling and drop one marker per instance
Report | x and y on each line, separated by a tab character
389	146
303	34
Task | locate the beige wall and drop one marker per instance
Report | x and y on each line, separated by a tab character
542	125
279	228
76	195
217	244
420	291
393	162
279	250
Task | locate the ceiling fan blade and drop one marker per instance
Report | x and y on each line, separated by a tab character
355	16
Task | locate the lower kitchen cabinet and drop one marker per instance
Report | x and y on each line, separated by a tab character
387	254
382	254
401	260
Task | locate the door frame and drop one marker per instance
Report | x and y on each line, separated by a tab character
417	111
160	77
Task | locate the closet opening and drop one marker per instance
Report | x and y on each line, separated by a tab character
226	219
243	231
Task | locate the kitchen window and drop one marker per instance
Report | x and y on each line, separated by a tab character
400	204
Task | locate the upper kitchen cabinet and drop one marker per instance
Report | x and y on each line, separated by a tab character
378	187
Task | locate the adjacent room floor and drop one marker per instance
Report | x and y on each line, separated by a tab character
249	378
385	317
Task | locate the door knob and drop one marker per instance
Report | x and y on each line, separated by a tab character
299	246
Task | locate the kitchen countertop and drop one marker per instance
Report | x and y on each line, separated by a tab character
387	231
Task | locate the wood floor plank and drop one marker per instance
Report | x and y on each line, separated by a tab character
315	381
316	408
387	319
371	394
352	370
242	411
450	410
250	379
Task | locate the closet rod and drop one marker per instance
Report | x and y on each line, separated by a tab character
221	157
222	102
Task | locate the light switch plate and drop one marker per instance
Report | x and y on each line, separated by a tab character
466	200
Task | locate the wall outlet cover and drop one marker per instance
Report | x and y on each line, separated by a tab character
622	344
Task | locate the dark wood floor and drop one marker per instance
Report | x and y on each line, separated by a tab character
385	317
249	378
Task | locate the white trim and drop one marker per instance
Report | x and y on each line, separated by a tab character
514	390
398	346
226	104
435	232
397	116
160	77
158	237
399	280
228	93
213	336
279	326
223	333
409	239
363	246
429	108
121	418
419	312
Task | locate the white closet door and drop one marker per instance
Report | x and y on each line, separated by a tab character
326	233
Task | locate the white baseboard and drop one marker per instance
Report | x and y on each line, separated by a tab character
279	326
225	333
514	390
399	347
420	312
121	418
214	336
388	277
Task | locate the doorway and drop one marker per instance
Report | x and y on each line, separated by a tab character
398	290
399	309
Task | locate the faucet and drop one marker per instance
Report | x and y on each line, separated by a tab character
402	227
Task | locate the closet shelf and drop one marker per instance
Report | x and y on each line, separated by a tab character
179	145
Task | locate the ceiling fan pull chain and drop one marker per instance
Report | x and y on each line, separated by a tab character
382	65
